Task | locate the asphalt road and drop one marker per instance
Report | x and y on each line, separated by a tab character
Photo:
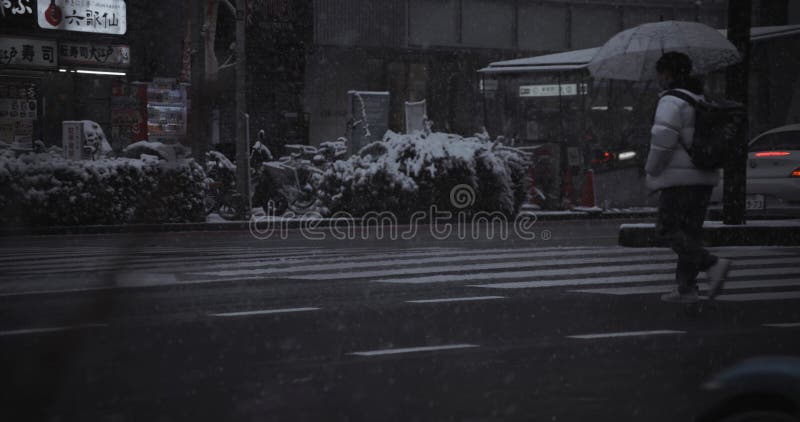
224	327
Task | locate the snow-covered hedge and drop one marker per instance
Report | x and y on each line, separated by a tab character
407	173
44	189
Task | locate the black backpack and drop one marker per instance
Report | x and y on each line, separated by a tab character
717	126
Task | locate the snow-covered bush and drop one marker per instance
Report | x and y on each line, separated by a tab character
407	173
45	189
159	149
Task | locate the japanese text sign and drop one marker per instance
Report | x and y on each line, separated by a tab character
26	52
70	53
98	16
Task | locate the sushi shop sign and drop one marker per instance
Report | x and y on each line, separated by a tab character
96	16
105	55
27	53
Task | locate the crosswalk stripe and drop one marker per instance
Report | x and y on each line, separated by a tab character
625	334
413	350
749	297
784	325
135	263
731	285
643	278
417	269
144	260
92	264
439	278
264	312
331	256
476	267
457	299
233	260
49	329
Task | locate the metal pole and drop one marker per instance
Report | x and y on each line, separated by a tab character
562	146
197	114
737	88
242	145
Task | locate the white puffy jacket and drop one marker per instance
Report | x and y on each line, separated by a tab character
668	163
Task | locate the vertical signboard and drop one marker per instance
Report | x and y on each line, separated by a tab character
72	139
128	114
369	117
96	16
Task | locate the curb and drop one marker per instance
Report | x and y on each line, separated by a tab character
290	224
716	234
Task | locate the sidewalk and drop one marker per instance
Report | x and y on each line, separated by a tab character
754	233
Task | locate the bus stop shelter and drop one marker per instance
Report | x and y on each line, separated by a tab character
552	103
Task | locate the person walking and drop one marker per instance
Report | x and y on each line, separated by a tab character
684	189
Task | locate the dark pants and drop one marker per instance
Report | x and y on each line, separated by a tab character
681	212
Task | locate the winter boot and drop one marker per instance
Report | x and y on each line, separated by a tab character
676	296
717	274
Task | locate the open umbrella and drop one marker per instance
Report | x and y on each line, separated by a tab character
632	54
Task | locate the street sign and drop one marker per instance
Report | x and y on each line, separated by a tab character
27	53
102	17
77	54
567	90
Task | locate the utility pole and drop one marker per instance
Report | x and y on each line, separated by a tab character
738	76
242	143
198	116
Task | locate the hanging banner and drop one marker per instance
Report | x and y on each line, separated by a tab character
70	53
27	53
97	16
18	13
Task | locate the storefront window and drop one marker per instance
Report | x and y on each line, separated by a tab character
19	111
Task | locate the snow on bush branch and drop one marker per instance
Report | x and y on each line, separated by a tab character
45	189
408	173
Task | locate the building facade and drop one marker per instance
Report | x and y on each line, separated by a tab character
431	49
77	60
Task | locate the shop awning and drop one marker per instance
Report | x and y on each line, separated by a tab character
559	62
579	59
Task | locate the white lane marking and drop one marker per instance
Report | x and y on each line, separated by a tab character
50	329
646	268
626	334
784	325
420	259
264	312
644	278
413	350
456	299
750	297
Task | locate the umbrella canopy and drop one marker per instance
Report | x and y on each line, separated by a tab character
632	54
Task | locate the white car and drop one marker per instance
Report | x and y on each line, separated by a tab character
773	174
